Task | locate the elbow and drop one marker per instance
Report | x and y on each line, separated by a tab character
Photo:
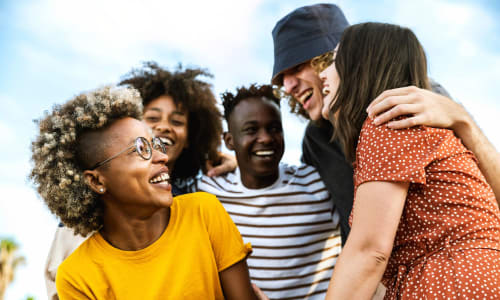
380	258
375	252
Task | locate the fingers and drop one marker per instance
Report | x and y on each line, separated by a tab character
398	110
259	293
208	165
228	164
392	93
407	122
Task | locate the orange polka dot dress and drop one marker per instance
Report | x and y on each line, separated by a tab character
447	245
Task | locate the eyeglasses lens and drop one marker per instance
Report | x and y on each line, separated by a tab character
143	148
159	145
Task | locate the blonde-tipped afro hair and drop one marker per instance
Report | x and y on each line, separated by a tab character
59	155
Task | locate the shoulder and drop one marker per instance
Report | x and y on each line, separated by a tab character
226	184
302	178
196	200
384	134
298	171
80	259
318	131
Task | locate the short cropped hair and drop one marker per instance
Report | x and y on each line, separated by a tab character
196	97
60	157
230	100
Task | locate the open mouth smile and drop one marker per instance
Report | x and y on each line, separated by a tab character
304	98
167	141
161	178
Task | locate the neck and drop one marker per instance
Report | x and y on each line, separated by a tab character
259	182
133	228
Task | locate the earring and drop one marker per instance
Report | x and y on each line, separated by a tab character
101	190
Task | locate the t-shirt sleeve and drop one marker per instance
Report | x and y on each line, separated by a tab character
64	243
385	154
67	286
226	240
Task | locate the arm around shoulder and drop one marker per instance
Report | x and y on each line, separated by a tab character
432	109
488	157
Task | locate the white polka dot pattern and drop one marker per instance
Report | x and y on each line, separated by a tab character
448	241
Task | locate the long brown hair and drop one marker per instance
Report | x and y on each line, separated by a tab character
372	58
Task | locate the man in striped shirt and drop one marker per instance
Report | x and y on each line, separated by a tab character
284	211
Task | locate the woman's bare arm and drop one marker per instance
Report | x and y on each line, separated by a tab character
377	210
235	282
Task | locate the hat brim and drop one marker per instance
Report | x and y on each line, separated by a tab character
292	56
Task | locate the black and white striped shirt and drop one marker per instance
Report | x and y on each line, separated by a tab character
292	226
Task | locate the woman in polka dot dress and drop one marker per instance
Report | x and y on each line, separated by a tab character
424	220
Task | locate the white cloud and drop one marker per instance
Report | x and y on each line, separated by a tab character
115	30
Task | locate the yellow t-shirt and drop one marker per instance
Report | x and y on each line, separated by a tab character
200	241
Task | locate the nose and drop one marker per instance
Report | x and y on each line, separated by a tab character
159	157
264	137
163	126
322	75
290	82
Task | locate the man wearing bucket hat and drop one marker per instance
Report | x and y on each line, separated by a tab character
310	31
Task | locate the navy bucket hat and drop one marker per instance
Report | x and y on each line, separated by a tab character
305	33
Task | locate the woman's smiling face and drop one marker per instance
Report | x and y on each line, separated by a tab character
331	80
129	179
169	122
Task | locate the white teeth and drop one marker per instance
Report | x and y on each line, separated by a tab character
166	141
325	91
160	178
304	96
264	152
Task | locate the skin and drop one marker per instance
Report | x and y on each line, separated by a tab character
362	262
169	122
331	80
227	164
235	282
254	129
136	212
428	108
376	216
300	80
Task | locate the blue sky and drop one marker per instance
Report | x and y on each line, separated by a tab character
51	50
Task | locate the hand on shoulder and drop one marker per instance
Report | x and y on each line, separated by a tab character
423	107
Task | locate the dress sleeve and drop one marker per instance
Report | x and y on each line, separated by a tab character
385	154
226	240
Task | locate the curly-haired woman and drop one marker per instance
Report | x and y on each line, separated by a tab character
181	110
99	169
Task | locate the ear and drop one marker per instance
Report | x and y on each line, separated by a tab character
228	140
95	181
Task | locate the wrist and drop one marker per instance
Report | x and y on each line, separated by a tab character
463	125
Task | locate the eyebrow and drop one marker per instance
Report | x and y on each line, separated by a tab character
176	112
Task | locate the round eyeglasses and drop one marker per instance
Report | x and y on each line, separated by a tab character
142	147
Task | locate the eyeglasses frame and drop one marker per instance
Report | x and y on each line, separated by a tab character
156	142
